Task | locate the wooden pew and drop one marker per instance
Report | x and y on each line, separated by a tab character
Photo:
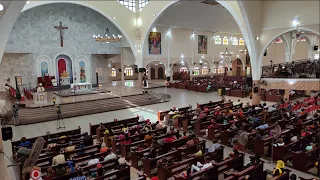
254	171
217	168
123	174
15	144
136	156
165	173
111	124
303	161
283	176
150	164
125	149
115	143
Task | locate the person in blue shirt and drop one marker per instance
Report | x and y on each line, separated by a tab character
24	143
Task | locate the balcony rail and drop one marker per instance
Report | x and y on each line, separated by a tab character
304	68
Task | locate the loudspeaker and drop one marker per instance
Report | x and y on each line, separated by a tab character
119	69
6	133
142	69
265	53
168	78
249	81
255	89
136	70
97	77
315	48
230	69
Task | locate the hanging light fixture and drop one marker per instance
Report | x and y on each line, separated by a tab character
107	37
226	53
1	8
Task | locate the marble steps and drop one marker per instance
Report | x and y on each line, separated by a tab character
36	115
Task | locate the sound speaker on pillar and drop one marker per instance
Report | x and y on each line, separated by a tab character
230	69
6	133
265	53
136	70
168	78
315	48
97	77
119	69
255	89
142	69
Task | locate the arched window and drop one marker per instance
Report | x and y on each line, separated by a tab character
205	70
235	41
217	40
196	71
128	71
241	41
279	40
183	69
221	69
113	72
225	40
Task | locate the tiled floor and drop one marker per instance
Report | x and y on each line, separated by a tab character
179	98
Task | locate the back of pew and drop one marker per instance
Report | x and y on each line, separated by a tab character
15	144
111	124
121	174
302	161
254	171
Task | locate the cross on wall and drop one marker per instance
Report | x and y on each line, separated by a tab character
61	29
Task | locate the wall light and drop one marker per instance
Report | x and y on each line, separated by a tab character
238	56
154	29
182	56
169	32
296	22
138	51
139	22
114	17
257	38
28	2
221	56
154	15
1	8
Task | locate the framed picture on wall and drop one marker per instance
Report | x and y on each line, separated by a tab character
202	44
154	43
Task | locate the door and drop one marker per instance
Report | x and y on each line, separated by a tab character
160	73
153	73
225	70
238	71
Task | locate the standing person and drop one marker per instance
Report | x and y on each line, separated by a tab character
15	109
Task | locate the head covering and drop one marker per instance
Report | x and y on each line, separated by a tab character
294	138
103	145
122	161
70	143
99	166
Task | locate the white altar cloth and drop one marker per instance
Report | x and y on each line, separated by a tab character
40	98
81	87
65	80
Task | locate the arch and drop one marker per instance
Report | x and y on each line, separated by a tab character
87	70
67	64
236	8
83	3
46	59
160	73
183	61
153	73
279	34
156	61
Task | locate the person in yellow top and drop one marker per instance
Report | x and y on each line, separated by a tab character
148	138
125	129
279	168
110	136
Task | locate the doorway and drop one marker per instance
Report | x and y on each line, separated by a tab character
160	73
153	73
238	71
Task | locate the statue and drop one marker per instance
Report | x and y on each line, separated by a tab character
40	88
64	74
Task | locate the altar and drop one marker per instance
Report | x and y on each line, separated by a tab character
40	98
81	87
65	81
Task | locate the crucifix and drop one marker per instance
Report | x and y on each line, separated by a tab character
61	29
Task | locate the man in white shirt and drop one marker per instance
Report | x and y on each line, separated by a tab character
200	167
94	160
59	159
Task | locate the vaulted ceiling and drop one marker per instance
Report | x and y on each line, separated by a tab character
197	15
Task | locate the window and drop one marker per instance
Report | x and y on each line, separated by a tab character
130	4
183	69
279	40
196	71
113	72
241	41
235	41
142	4
215	70
221	69
225	41
205	70
217	40
128	71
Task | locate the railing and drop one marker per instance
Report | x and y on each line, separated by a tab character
297	69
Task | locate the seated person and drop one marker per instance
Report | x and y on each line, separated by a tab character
87	140
122	163
110	156
158	125
92	161
125	128
81	146
59	159
279	142
24	143
199	167
51	174
279	168
103	149
148	138
214	147
70	148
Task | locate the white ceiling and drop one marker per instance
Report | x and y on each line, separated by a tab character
198	16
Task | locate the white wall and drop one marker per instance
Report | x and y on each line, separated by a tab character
128	58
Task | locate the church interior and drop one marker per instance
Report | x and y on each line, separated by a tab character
159	90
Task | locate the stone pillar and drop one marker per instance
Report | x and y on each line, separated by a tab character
256	97
286	94
139	82
308	92
288	57
191	75
122	67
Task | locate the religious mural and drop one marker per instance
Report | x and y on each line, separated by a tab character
44	68
202	44
154	43
82	72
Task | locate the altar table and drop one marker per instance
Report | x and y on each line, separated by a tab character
81	87
40	98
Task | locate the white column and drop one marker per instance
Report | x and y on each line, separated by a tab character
288	57
149	71
169	70
192	57
122	67
212	63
